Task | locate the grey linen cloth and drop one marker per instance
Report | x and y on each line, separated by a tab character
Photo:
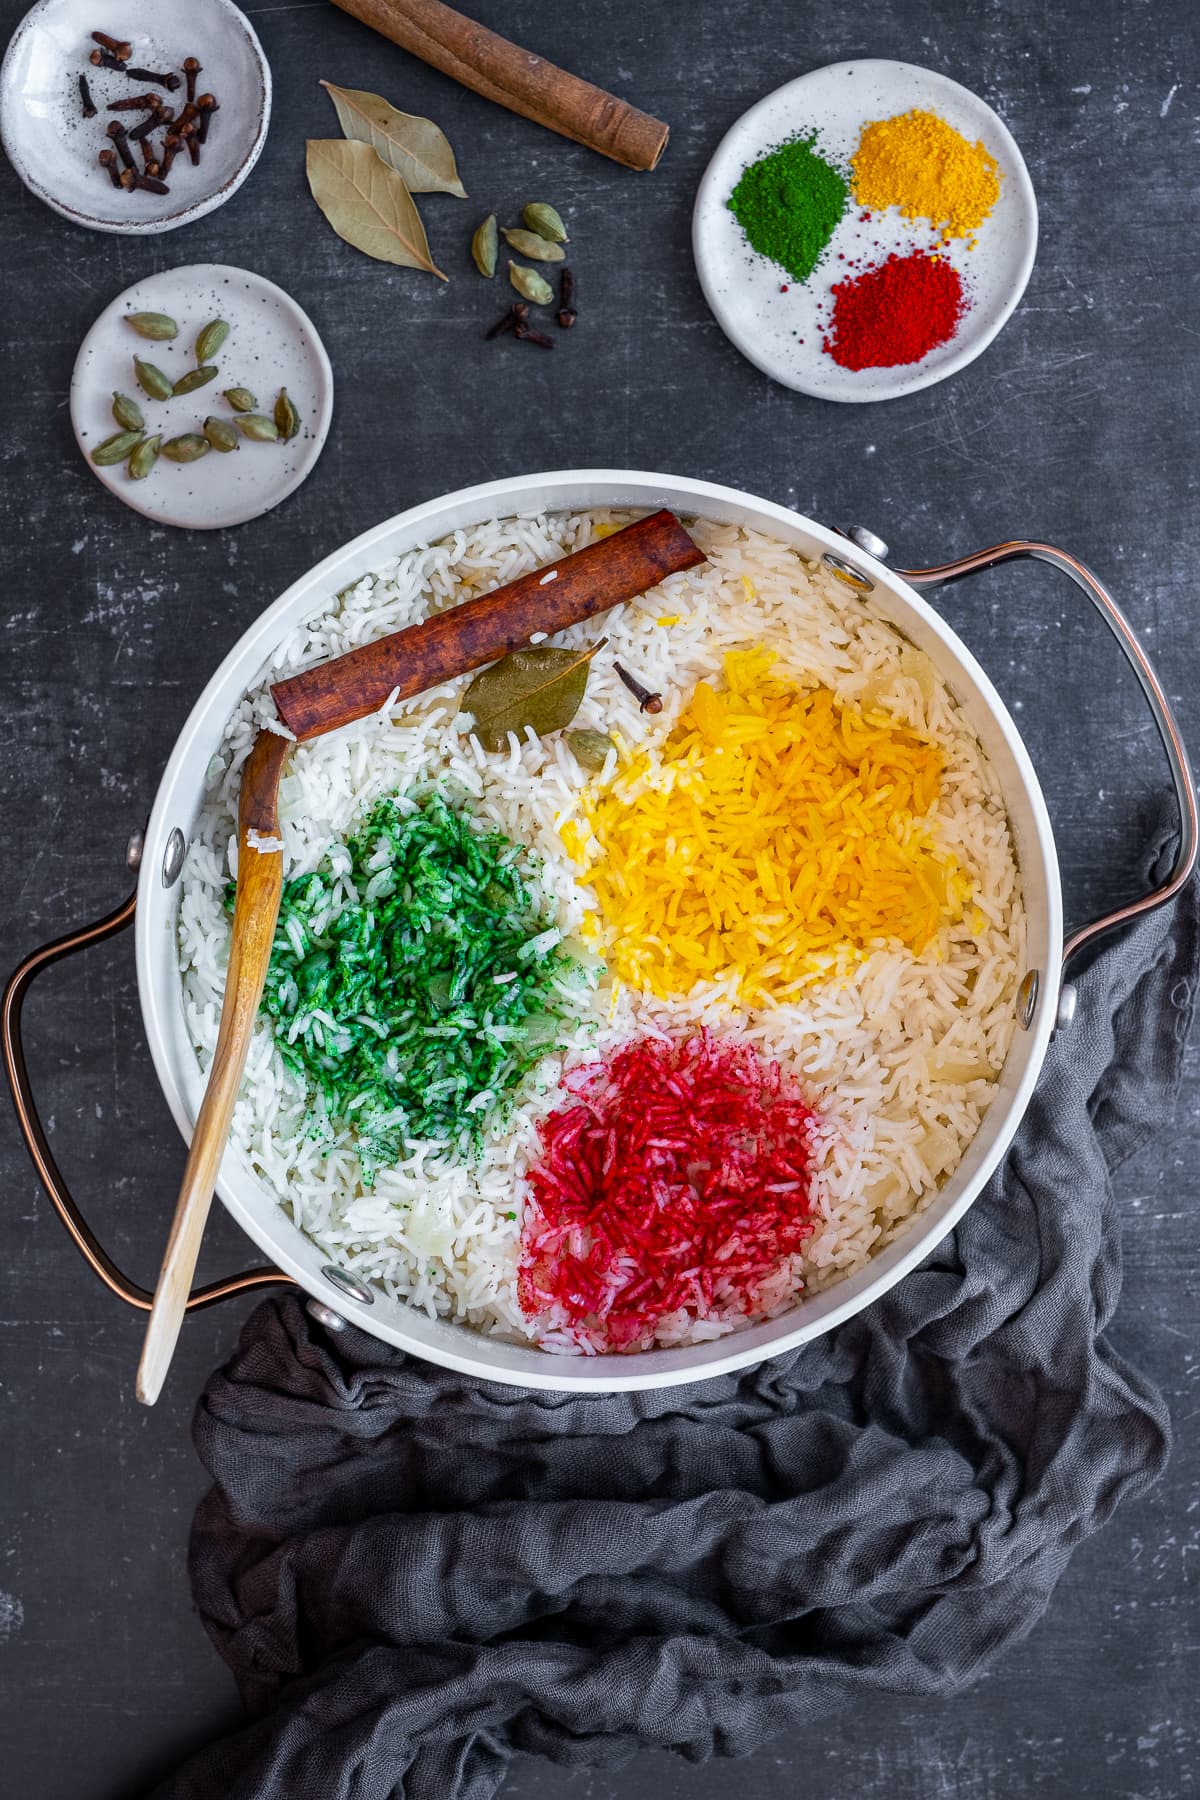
414	1575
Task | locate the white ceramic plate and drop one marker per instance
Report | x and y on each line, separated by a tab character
54	148
271	344
782	331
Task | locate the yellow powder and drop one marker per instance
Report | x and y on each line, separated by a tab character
780	833
930	171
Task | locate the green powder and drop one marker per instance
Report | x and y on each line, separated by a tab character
788	204
415	1004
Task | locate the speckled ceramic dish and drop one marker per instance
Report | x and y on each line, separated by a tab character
54	148
271	344
780	324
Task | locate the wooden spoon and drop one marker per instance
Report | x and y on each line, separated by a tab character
322	699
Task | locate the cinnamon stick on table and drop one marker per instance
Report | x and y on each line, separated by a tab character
480	631
516	78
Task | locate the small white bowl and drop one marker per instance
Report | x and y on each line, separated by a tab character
780	323
272	343
54	149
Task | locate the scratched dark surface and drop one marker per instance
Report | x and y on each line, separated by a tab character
1079	425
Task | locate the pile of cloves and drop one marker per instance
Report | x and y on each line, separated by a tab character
186	129
516	319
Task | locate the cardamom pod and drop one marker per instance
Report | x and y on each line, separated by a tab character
127	413
152	325
151	380
590	748
241	399
188	447
545	221
287	419
528	243
530	285
259	427
144	458
485	245
195	378
210	340
221	434
116	448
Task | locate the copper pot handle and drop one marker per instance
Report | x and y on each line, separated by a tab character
81	1233
1135	655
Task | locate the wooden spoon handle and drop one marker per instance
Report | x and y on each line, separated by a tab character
259	887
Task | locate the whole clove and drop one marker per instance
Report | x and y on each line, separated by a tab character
192	140
150	184
171	145
119	49
191	68
648	701
136	103
104	59
149	155
119	136
149	124
208	106
168	79
85	96
528	335
109	159
566	300
516	315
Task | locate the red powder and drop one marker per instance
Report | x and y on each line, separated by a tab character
895	313
678	1178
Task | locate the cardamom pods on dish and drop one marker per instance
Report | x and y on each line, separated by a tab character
152	325
545	221
241	399
188	447
528	243
530	285
144	458
195	378
590	748
258	427
210	340
485	246
287	419
116	448
127	413
151	380
221	434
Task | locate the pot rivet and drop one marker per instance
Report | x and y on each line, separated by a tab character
173	856
1027	998
133	851
867	540
349	1284
325	1315
1067	999
848	573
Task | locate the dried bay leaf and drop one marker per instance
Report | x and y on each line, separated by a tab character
541	687
416	148
367	203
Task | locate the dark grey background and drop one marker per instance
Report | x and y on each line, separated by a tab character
1077	425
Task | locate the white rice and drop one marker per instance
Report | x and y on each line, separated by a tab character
899	1058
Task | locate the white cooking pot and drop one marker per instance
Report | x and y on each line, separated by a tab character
1043	1002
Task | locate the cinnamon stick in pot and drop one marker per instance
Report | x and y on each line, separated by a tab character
516	78
482	630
